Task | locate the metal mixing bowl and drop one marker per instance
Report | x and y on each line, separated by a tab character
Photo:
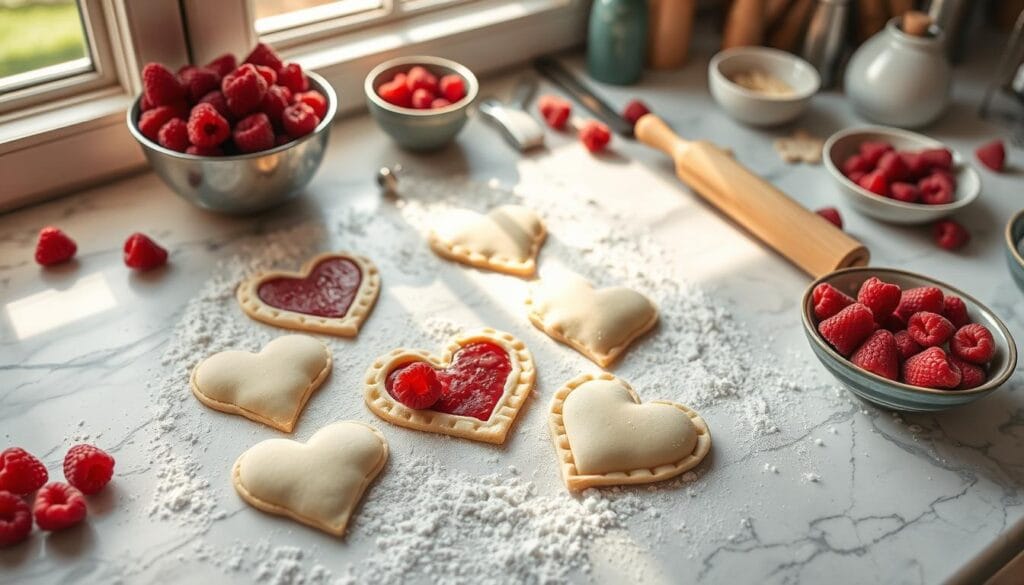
243	183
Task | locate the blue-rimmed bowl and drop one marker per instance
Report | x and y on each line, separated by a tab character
896	395
1014	258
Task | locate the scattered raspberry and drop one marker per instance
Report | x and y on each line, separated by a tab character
555	110
635	110
954	309
54	247
262	54
142	253
881	297
931	369
396	93
857	164
206	127
299	119
992	155
891	165
915	300
174	135
244	89
292	77
937	158
268	74
936	189
200	151
595	135
59	506
905	192
828	300
199	81
440	103
277	99
420	78
872	150
876	183
950	235
929	329
421	99
160	87
151	121
453	88
315	100
254	133
88	468
973	343
218	101
906	345
20	472
879	355
15	519
971	375
224	64
848	328
416	386
832	215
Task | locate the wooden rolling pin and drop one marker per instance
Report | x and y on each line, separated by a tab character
808	241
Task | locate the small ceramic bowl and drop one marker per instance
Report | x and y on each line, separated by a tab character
1014	258
896	395
754	107
420	129
846	143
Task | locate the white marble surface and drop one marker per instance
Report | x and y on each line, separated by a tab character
906	499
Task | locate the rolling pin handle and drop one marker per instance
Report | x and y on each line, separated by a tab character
654	132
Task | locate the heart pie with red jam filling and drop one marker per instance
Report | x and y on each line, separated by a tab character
333	293
474	390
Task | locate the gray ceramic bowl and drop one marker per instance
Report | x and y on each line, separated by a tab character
244	183
1014	234
896	395
419	129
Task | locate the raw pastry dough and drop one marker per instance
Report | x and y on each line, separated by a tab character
271	386
319	482
600	324
604	435
493	430
345	326
800	147
505	240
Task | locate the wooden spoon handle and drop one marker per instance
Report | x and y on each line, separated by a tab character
803	237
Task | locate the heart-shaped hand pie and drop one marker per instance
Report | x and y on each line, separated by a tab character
333	294
271	386
484	377
604	435
319	482
600	324
505	240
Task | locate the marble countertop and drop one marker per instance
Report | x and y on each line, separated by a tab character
836	491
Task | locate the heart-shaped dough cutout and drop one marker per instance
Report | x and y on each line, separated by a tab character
333	293
507	239
319	482
599	323
502	406
604	435
271	386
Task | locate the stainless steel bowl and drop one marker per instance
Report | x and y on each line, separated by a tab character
244	183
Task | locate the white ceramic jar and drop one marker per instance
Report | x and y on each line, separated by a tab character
898	79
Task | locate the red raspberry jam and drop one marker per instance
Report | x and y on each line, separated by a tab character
327	291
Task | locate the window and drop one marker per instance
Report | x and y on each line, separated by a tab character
278	15
40	42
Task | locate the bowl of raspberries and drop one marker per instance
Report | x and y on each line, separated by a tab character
234	136
899	176
421	102
905	341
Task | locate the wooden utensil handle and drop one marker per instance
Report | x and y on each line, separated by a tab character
803	237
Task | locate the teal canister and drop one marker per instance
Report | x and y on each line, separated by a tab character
617	41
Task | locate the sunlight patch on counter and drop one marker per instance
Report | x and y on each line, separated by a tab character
52	308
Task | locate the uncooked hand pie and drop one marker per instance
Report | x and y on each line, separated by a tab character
319	482
604	435
271	386
333	294
599	323
474	390
505	240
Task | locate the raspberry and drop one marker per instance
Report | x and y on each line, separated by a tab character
224	64
875	182
218	101
892	166
905	344
244	89
929	329
88	468
635	110
199	81
452	87
555	110
973	343
396	93
954	309
282	139
277	99
315	100
151	121
142	253
936	189
160	87
832	215
417	386
915	300
59	506
299	119
931	369
292	77
594	135
20	472
419	78
992	155
421	99
879	296
856	164
268	74
174	135
201	151
872	151
905	192
54	247
15	519
262	54
145	105
828	300
439	103
856	176
971	375
848	328
950	235
879	355
891	322
206	127
916	167
254	133
937	158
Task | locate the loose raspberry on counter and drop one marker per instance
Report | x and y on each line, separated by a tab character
879	296
15	519
151	121
971	375
905	192
906	345
453	87
174	135
992	155
315	100
206	127
253	133
974	343
20	472
224	64
832	215
847	329
161	87
292	77
299	119
419	77
594	135
88	468
915	300
54	247
954	309
879	355
828	300
262	54
931	369
876	183
58	506
244	89
635	110
417	386
554	110
950	235
929	329
142	253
